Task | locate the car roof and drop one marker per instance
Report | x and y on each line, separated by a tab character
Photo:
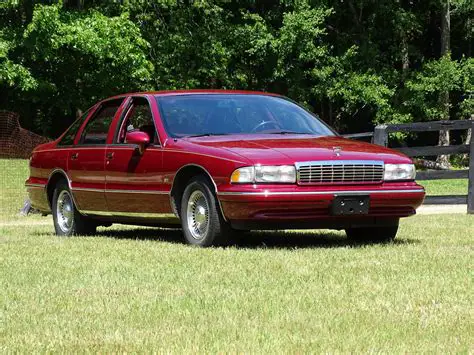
195	92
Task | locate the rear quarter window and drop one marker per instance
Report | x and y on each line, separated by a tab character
71	132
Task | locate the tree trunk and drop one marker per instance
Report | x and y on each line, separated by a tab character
469	131
444	95
468	139
428	164
445	28
405	58
443	160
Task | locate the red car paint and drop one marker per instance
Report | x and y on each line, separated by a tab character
113	183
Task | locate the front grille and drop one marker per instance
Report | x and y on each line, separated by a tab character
340	171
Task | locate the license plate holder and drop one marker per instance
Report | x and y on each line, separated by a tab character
350	205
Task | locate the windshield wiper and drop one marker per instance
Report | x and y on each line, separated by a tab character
205	135
225	134
290	132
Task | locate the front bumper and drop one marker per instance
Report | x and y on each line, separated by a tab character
290	206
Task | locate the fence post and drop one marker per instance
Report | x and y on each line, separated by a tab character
380	135
470	188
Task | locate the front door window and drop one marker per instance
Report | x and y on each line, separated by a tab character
138	118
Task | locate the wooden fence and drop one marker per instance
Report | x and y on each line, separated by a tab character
380	137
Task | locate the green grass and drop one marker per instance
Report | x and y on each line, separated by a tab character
137	289
134	289
13	173
445	187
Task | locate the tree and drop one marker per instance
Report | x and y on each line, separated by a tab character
356	63
77	58
13	76
444	94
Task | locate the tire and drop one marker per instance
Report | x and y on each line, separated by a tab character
376	234
202	222
67	219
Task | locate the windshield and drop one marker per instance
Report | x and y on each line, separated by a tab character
219	114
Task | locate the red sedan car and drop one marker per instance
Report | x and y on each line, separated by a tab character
216	162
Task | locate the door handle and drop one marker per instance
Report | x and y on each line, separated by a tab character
109	156
74	156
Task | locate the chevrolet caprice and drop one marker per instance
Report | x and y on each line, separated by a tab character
215	162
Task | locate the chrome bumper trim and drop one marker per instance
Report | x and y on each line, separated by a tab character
150	192
130	214
153	192
86	189
311	193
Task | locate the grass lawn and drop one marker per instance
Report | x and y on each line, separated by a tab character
140	289
13	173
135	289
445	187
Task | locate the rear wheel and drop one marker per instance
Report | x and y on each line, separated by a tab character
67	219
203	223
376	234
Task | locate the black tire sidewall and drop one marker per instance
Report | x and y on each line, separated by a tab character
62	186
216	230
81	225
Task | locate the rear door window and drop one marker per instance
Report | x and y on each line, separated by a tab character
97	128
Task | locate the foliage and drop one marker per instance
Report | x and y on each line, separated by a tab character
13	75
77	58
436	76
354	63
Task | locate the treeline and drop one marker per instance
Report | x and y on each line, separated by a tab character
355	63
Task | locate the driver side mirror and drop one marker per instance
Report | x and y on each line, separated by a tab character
141	139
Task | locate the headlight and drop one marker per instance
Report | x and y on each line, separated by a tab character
283	173
399	172
265	173
243	175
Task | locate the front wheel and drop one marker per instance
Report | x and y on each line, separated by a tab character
67	219
203	224
376	234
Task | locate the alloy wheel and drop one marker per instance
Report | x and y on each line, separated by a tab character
198	215
65	211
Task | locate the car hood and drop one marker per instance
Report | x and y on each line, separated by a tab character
296	148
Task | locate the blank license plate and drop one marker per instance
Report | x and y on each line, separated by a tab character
350	205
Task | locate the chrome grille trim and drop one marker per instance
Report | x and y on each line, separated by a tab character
339	172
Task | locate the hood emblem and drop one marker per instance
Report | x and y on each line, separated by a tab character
337	151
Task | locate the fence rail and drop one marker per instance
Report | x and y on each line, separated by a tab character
441	150
359	135
380	137
428	126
